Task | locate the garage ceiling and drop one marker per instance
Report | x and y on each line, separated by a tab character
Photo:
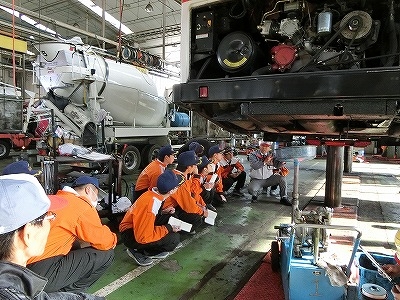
152	31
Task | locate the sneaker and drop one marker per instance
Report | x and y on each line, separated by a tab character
193	232
285	201
139	258
253	199
211	207
237	193
273	193
180	245
159	255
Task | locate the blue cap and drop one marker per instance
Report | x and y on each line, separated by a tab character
213	150
19	167
204	161
167	181
82	180
188	158
196	147
164	151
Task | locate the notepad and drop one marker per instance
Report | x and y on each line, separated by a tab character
179	223
211	217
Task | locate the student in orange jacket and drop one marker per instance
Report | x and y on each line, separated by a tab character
186	207
140	231
217	193
201	189
69	269
232	171
148	177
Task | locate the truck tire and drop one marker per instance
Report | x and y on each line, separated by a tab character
275	256
149	153
130	160
5	147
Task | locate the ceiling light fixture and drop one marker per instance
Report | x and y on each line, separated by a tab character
149	8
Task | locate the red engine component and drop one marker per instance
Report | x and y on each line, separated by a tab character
283	56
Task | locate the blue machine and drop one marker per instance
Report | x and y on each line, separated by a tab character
302	278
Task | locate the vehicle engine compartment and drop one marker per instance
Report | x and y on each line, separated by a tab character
316	68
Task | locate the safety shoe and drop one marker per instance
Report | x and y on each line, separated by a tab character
139	258
285	201
160	255
237	193
253	199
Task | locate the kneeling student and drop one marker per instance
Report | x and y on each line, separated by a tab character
141	233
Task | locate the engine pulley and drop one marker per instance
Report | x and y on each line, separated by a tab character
358	28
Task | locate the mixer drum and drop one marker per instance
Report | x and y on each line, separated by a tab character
127	92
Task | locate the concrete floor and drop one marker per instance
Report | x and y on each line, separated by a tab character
216	262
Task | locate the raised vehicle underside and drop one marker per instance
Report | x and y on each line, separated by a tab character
324	69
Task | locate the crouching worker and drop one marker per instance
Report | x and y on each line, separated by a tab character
76	269
140	228
24	227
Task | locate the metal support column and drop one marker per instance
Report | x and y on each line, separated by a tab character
348	159
334	176
295	193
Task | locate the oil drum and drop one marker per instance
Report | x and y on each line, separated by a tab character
238	52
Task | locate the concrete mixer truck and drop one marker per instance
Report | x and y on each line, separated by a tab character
104	103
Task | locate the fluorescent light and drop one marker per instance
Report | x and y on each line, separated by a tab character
109	18
28	20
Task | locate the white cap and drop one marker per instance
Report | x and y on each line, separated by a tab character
22	200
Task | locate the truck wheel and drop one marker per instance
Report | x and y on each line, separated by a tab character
275	256
130	160
5	148
149	153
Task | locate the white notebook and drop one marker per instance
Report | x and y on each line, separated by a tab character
179	223
211	217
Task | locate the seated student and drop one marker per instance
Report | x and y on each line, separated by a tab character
232	171
217	193
201	189
186	208
148	177
197	148
76	269
140	232
24	227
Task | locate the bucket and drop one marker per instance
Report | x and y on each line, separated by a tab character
370	291
369	274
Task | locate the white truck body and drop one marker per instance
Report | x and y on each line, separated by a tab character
87	87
